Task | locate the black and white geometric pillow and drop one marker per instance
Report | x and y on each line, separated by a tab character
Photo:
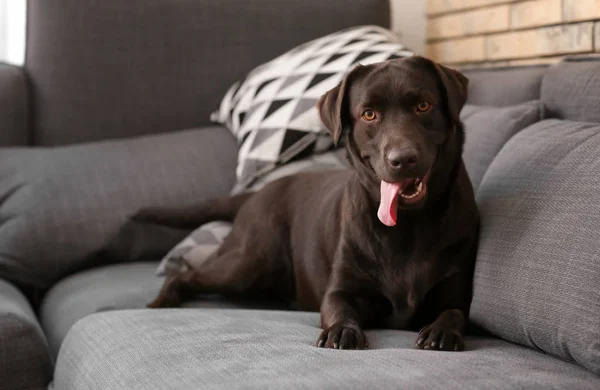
272	111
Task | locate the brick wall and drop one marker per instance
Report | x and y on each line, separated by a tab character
510	32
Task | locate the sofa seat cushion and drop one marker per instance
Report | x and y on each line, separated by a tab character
184	349
228	349
62	209
114	287
25	362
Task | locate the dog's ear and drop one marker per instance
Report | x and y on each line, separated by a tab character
333	106
456	85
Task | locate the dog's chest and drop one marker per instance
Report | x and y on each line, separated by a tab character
404	276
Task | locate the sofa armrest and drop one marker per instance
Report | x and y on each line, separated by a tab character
25	360
14	106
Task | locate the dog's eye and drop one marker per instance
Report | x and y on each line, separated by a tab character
423	106
368	115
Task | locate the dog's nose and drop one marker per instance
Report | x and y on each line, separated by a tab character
402	158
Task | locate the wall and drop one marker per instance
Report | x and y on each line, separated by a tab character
408	21
12	31
3	30
510	32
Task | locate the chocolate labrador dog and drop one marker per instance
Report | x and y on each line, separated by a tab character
390	243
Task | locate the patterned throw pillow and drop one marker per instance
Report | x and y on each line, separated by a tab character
272	111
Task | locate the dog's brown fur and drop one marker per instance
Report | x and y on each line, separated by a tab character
315	238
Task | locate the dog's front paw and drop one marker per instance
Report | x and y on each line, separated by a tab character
440	338
343	336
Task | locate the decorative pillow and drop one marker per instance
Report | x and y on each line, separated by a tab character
537	276
272	111
61	209
487	130
205	240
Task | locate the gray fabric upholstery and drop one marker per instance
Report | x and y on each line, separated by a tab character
222	349
14	106
113	68
504	86
572	91
65	209
487	130
114	287
537	274
25	361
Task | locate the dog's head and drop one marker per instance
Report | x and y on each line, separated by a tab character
402	122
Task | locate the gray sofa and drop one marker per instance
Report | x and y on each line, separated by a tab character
115	91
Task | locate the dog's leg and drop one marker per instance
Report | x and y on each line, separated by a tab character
342	314
192	216
447	310
445	333
341	322
224	274
173	291
229	273
254	259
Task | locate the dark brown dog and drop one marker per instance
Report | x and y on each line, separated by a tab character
390	243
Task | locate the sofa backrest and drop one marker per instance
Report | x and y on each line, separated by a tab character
568	90
500	87
571	91
114	68
14	108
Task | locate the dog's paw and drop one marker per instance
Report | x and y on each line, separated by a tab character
343	336
162	302
440	338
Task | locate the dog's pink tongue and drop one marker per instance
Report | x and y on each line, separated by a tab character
388	206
